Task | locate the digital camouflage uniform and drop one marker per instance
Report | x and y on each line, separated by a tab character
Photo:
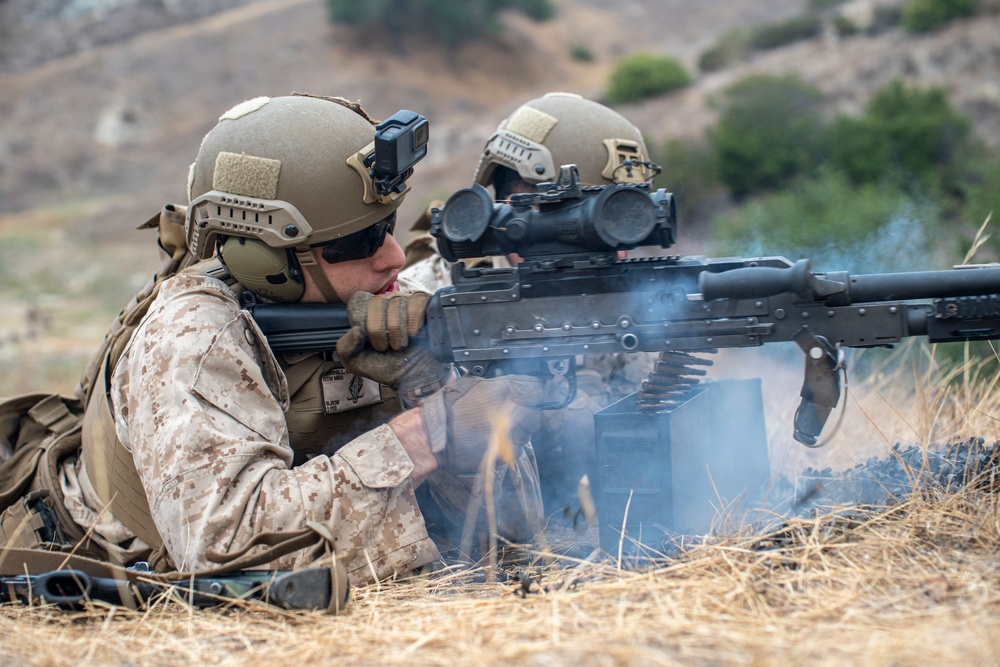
215	454
235	449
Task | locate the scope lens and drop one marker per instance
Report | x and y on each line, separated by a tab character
624	216
466	215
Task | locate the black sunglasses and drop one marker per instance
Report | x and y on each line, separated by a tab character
362	244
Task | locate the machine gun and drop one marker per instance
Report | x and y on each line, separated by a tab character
571	295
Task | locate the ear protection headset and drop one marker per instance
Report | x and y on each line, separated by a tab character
273	273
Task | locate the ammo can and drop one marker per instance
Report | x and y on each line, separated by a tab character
685	470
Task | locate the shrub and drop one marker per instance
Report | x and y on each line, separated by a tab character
690	172
536	10
836	224
906	133
926	15
770	130
774	35
645	75
983	200
451	21
844	26
886	18
582	53
731	47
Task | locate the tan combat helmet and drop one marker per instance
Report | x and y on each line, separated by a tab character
562	128
277	176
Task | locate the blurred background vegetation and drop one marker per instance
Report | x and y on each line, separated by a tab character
861	134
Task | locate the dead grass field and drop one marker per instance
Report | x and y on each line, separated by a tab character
915	586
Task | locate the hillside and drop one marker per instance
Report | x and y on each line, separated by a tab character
127	116
98	134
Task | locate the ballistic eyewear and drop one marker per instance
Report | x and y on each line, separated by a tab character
362	244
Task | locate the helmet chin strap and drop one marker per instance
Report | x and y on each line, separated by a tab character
308	261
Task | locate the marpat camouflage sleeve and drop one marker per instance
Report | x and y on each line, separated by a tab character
199	400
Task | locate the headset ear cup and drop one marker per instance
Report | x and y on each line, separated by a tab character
272	273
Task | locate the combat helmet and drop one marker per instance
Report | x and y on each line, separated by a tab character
276	177
562	128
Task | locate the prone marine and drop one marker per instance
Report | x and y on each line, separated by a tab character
202	450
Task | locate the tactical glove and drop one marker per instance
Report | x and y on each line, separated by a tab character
461	418
383	344
388	321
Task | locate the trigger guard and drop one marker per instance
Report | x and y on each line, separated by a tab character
564	368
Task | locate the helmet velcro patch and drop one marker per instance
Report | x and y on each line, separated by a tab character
246	175
531	124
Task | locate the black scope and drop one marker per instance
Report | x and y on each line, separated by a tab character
561	218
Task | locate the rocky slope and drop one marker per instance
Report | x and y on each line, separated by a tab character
115	120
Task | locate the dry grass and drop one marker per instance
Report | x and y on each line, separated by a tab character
917	584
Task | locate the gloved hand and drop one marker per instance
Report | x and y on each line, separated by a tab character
383	343
460	418
386	321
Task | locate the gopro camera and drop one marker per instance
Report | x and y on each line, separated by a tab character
400	142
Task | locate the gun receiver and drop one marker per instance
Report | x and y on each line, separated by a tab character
570	296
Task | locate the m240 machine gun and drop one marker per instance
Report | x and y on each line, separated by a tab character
571	295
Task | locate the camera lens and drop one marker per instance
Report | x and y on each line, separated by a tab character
420	133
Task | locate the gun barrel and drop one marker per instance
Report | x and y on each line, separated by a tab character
971	281
840	288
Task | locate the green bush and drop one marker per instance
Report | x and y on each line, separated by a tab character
844	26
770	130
643	75
536	10
774	35
835	223
926	15
886	18
982	201
582	53
907	133
690	172
355	13
731	47
450	21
